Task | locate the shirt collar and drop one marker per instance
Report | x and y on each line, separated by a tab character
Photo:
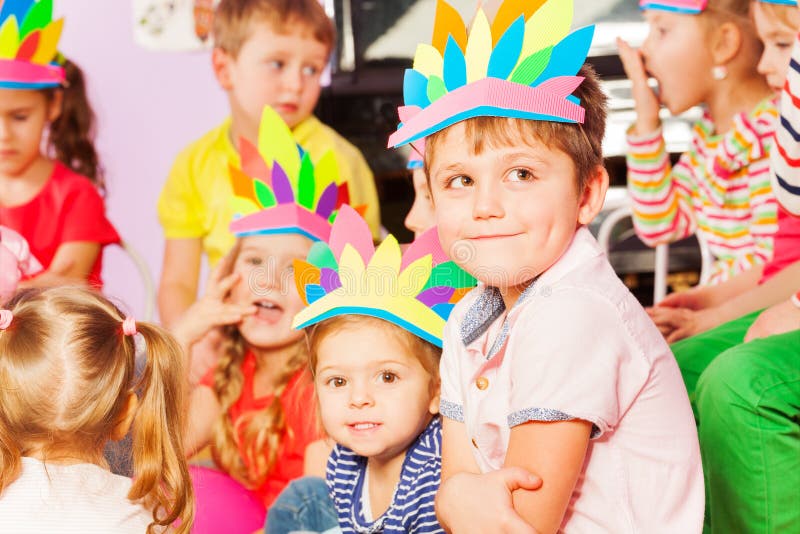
489	305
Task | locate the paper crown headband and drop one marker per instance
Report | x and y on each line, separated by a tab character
29	45
415	290
294	195
523	65
691	7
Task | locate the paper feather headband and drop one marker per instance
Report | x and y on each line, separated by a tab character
415	290
29	38
280	190
522	65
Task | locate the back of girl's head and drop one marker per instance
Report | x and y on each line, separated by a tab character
71	137
426	353
67	371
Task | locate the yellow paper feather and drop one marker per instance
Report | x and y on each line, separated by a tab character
479	47
48	42
415	276
351	271
276	143
326	172
384	268
243	206
428	61
9	39
547	26
509	11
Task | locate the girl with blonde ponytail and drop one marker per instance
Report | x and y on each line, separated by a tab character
67	369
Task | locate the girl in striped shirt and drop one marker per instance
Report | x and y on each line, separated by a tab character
703	52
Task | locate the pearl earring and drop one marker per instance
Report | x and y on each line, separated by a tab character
719	72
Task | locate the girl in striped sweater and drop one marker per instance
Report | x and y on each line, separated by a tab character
703	52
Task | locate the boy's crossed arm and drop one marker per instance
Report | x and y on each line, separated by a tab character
511	499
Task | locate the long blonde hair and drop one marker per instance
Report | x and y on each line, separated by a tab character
67	371
247	449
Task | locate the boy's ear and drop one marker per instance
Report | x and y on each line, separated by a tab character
594	195
221	63
126	417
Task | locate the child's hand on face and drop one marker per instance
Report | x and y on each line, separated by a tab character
211	310
646	101
468	502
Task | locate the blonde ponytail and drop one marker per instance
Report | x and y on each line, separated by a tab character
161	476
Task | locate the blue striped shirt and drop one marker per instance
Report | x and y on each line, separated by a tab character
412	505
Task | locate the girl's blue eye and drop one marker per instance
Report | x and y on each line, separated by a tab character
459	182
520	175
275	64
310	71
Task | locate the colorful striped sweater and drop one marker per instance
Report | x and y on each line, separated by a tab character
786	157
719	188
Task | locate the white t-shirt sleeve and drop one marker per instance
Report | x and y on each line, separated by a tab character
573	358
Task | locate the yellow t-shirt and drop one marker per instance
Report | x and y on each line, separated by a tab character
195	199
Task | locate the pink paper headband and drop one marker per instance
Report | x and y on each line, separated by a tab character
690	7
29	45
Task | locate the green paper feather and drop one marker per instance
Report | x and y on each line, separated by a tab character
39	16
306	183
532	66
264	194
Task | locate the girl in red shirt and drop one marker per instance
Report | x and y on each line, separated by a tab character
50	179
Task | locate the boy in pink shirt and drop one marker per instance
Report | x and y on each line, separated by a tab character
550	364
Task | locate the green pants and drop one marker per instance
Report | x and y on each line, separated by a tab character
746	398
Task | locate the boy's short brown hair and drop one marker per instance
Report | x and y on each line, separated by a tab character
233	21
582	142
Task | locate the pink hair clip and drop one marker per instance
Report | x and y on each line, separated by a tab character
5	319
129	326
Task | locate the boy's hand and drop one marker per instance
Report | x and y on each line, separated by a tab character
646	101
777	319
469	502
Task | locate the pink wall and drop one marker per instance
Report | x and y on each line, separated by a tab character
149	105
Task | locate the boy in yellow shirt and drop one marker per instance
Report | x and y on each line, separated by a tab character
267	52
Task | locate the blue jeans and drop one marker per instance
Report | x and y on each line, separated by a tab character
303	506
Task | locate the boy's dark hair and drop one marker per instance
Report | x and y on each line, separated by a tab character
582	142
233	21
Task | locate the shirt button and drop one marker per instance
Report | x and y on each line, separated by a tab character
482	383
474	443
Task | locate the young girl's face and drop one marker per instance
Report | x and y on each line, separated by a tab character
24	115
264	263
778	38
507	214
675	55
421	216
375	398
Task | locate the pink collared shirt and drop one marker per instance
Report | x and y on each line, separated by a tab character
577	345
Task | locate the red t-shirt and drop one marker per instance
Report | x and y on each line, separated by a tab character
786	243
299	408
67	209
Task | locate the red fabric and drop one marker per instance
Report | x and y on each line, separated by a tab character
67	209
299	408
786	244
